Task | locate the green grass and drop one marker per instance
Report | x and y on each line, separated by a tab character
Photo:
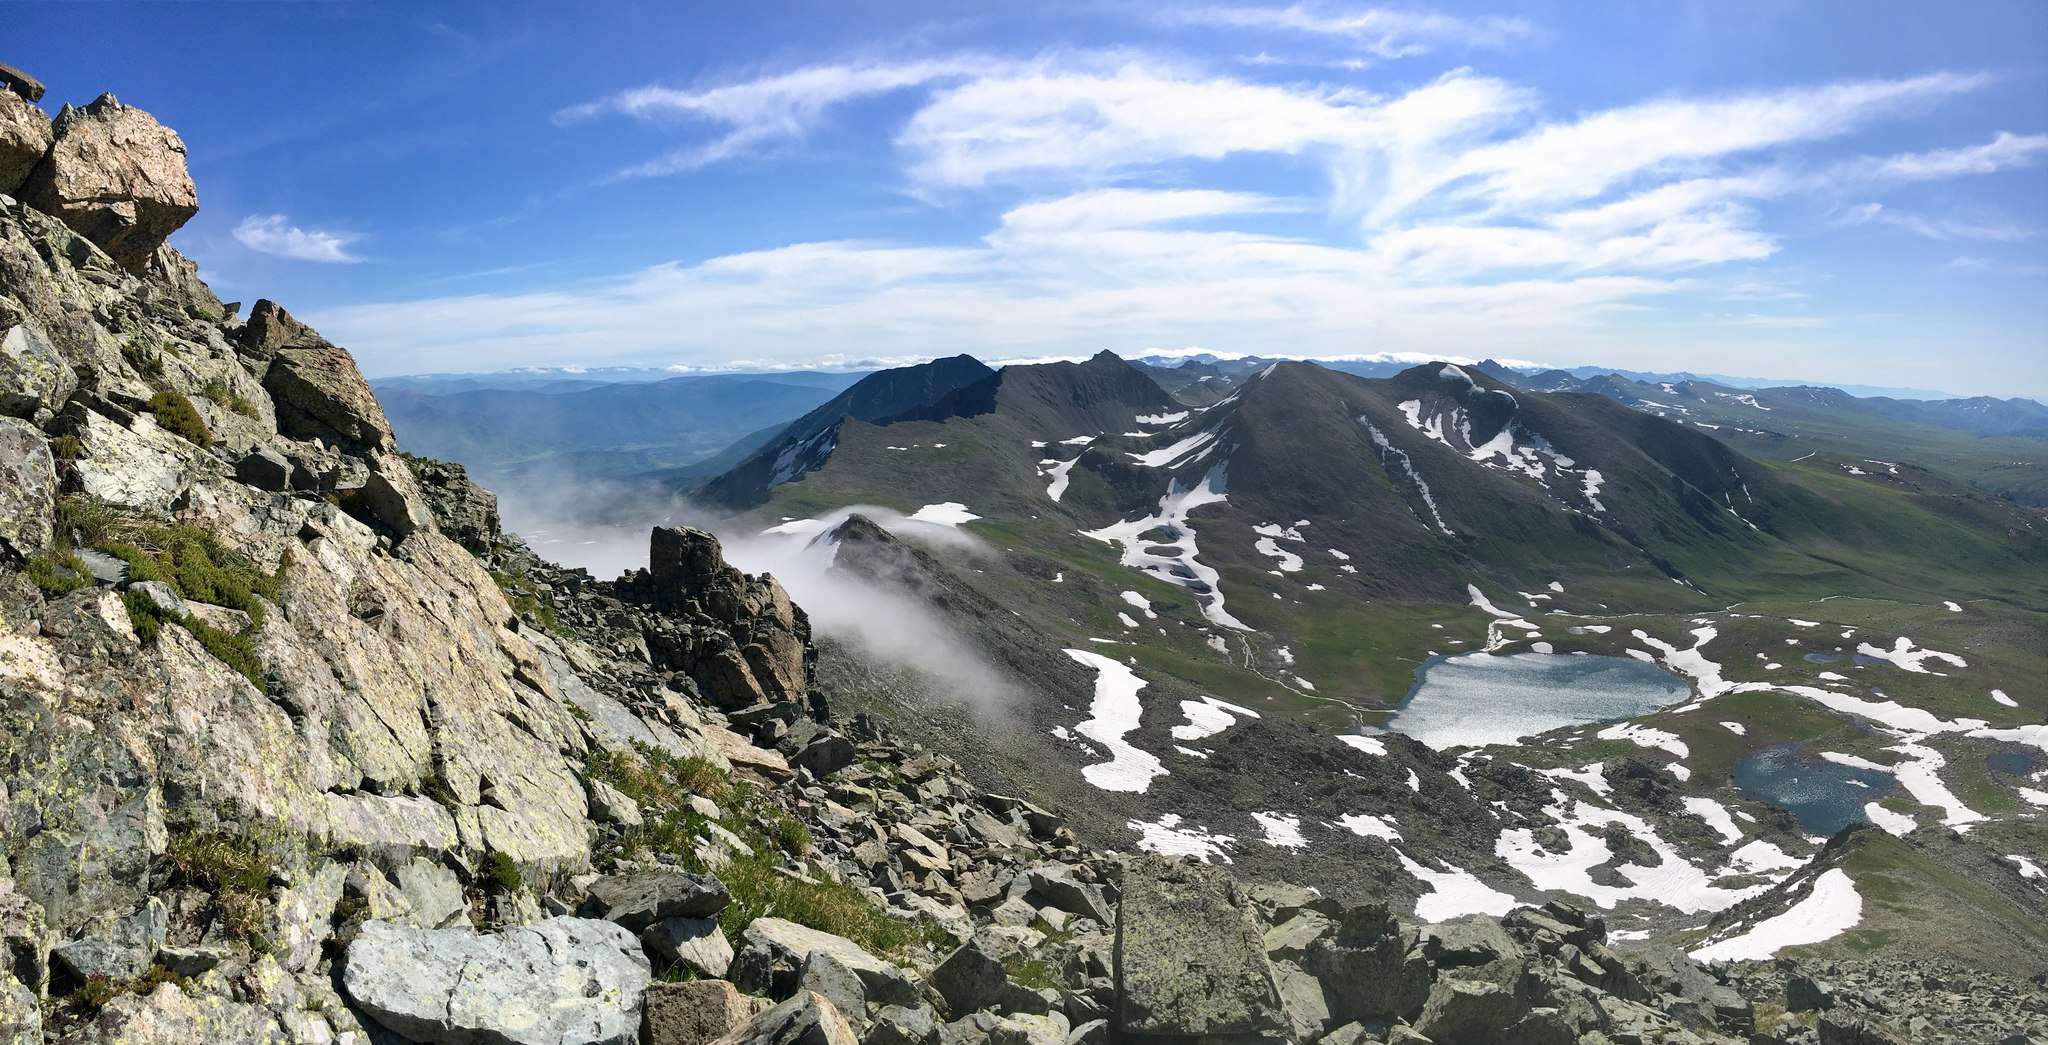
528	599
235	871
59	574
177	415
223	393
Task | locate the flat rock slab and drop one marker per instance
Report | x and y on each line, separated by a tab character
563	981
637	901
1190	954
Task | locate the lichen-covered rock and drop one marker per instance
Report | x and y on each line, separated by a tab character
1469	1012
637	901
806	1019
24	138
759	648
969	979
696	944
135	465
28	488
695	1012
117	177
1190	955
319	392
556	981
21	1020
773	952
168	1016
34	378
464	511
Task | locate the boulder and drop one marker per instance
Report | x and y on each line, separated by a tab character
1468	1012
695	1012
1056	884
28	489
264	469
1190	956
315	385
168	1016
558	980
115	176
34	378
1371	968
970	979
896	1025
24	138
122	951
696	944
806	1019
636	901
1468	941
831	979
1839	1027
773	952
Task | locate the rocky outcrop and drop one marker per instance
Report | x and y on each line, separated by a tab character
560	980
34	378
24	139
740	638
318	390
117	177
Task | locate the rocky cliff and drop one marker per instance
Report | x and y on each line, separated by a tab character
297	746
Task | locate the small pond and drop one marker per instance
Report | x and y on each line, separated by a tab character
1823	658
1825	796
1485	698
2010	763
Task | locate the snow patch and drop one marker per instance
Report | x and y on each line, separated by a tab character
1115	712
1831	908
1208	717
1167	838
1454	893
1282	831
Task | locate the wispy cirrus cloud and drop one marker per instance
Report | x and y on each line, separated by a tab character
1940	228
274	234
765	111
1382	32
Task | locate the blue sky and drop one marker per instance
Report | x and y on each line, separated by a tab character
1842	192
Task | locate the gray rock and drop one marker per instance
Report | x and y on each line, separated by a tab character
1058	886
1349	1034
695	943
1190	954
433	893
897	1025
970	979
806	1019
1094	1032
1028	1030
824	756
1803	993
21	1020
1301	996
264	469
559	980
34	378
120	953
695	1012
24	138
610	805
28	488
1468	941
169	1016
831	979
773	951
1467	1012
160	595
115	176
105	569
193	961
636	901
1371	966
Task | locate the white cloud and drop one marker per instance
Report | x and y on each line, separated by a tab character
2006	151
1382	32
756	113
1940	228
272	234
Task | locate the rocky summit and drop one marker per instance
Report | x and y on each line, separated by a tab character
296	745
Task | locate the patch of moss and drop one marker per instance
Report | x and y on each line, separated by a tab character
176	415
59	574
788	833
65	448
503	872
